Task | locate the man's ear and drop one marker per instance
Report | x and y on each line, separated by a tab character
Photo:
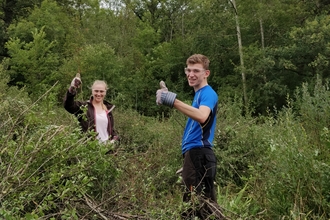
207	73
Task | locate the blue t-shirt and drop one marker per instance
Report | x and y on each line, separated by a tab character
196	134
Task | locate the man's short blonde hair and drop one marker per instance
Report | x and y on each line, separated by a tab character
199	58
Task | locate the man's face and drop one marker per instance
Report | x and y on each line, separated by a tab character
196	75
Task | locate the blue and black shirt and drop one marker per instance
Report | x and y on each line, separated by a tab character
198	135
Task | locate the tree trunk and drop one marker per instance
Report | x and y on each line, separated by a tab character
262	34
240	50
262	45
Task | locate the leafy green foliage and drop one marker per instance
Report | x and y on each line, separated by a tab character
37	46
47	165
267	166
32	61
312	106
281	160
273	160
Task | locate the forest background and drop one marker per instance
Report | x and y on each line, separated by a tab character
269	66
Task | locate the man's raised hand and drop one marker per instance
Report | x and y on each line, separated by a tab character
159	92
163	96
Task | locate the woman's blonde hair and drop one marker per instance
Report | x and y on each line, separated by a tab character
96	82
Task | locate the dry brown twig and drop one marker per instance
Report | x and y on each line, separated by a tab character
106	214
216	210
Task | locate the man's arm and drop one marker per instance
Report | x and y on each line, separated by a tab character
163	96
198	114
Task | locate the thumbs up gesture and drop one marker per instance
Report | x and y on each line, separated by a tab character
163	96
75	83
159	92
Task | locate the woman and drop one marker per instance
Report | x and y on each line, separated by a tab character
94	114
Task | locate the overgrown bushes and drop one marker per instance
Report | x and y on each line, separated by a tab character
279	164
269	167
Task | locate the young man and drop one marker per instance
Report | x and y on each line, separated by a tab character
199	166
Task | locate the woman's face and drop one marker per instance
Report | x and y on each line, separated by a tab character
99	91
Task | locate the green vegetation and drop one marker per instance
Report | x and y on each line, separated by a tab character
273	149
269	167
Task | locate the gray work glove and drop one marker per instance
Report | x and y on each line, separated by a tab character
75	83
164	97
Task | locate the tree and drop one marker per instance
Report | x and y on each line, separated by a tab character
32	63
11	11
240	50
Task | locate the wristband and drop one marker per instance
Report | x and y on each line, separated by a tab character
168	98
